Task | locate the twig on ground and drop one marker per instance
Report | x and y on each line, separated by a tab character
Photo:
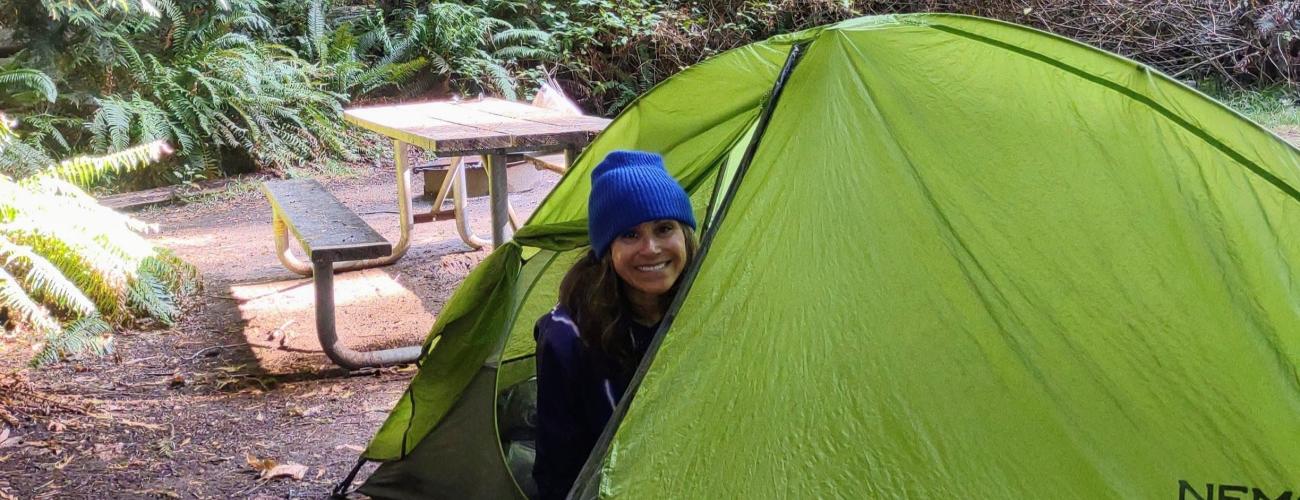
206	349
141	360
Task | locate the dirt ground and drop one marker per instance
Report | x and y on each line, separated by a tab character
241	383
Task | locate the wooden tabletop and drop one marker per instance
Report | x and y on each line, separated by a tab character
476	125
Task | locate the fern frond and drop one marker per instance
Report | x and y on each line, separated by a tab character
520	36
521	52
42	280
316	29
90	334
31	79
150	296
20	160
100	273
181	277
85	170
22	309
86	212
111	123
501	77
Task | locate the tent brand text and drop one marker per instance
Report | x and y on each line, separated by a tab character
1186	491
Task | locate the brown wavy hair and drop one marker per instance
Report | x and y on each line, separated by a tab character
593	294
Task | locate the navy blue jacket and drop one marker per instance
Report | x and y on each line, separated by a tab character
577	390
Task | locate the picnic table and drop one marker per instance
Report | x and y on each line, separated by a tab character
335	239
488	128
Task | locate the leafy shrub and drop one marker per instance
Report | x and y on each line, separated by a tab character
463	47
70	269
234	90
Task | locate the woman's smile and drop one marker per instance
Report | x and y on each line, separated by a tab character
649	257
649	268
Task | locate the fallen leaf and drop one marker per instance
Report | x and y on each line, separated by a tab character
298	411
352	447
232	369
13	441
56	427
290	469
4	434
177	380
260	464
63	463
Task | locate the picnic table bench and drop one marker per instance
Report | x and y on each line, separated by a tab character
336	240
329	233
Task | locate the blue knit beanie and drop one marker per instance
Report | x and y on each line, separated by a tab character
628	188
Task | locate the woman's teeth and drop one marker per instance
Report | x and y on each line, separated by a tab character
652	268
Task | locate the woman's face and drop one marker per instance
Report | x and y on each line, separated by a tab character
650	256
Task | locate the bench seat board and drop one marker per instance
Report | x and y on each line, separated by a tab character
327	229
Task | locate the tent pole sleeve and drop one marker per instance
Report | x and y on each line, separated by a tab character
588	483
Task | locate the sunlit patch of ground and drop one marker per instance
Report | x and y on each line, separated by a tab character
372	311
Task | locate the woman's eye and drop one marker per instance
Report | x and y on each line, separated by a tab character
665	229
630	235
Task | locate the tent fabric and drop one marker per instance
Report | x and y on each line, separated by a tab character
968	258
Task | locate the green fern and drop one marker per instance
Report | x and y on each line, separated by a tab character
66	259
90	334
519	37
85	170
42	280
30	79
151	297
22	308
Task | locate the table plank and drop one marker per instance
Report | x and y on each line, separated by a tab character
476	125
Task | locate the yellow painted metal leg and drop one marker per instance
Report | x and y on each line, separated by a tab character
459	196
282	250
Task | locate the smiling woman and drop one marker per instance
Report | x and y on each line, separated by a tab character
611	302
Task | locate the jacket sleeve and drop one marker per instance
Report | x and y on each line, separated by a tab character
560	454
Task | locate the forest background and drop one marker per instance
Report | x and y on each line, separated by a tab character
102	96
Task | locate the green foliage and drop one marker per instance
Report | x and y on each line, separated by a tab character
464	44
604	49
70	268
232	90
1271	107
86	335
30	84
200	78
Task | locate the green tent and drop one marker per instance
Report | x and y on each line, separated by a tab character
942	256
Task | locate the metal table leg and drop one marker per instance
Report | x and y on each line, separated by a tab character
500	196
459	196
329	338
444	190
